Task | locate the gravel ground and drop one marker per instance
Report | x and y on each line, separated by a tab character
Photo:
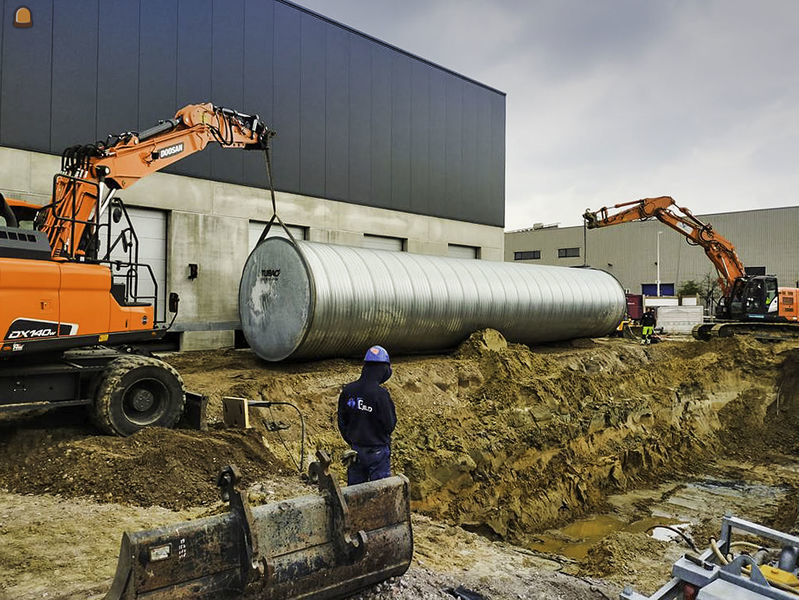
420	582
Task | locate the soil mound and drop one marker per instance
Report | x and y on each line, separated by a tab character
617	553
499	438
170	468
480	343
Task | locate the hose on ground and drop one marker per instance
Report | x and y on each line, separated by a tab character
744	544
688	540
268	404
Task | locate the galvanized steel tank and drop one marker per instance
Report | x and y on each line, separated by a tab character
317	300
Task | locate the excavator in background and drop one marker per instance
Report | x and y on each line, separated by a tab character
71	309
752	305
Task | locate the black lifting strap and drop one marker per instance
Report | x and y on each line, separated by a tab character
275	216
5	211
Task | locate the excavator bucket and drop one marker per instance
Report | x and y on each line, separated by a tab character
328	545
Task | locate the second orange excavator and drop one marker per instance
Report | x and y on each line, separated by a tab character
754	305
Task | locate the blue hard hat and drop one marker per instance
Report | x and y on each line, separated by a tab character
377	354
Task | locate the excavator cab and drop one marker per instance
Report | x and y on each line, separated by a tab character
753	298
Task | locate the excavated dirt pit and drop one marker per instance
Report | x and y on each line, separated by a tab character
559	458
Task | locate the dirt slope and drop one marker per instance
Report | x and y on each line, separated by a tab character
504	439
501	439
173	469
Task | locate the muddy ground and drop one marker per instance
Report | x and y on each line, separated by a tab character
535	473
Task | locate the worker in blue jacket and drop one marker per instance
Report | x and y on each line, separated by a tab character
366	419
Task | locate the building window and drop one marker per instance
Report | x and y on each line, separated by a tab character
527	255
651	289
568	252
754	271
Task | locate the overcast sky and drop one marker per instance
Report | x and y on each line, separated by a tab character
615	100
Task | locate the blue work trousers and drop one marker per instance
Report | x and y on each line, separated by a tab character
374	462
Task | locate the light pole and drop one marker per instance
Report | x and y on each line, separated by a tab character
658	264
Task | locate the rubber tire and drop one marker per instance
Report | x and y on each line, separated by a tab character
108	409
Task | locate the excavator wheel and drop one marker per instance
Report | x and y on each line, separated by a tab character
136	392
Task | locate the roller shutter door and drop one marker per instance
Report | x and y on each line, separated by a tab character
459	251
381	242
257	227
150	228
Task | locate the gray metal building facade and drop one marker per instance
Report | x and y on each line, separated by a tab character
764	238
358	120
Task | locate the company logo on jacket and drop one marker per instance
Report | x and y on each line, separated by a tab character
358	404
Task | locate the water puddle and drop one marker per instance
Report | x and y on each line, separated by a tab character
679	505
575	539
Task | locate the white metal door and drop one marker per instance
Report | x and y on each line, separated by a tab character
150	227
382	242
257	227
459	251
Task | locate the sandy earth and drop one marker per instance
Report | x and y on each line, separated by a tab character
531	470
51	547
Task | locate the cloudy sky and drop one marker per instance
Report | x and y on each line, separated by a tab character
615	100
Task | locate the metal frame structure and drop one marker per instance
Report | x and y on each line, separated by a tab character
722	582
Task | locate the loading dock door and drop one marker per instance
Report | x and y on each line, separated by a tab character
382	242
150	228
257	227
460	251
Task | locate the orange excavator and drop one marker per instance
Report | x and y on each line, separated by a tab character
753	305
70	310
70	307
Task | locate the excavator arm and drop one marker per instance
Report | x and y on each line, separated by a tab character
718	249
91	174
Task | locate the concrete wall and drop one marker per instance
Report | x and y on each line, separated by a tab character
208	224
763	238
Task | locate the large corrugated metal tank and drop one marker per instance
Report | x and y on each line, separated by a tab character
317	300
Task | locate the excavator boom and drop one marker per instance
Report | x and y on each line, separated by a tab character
718	249
92	173
65	283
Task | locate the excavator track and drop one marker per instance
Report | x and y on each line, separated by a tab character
765	332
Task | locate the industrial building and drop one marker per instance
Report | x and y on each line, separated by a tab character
765	240
375	146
